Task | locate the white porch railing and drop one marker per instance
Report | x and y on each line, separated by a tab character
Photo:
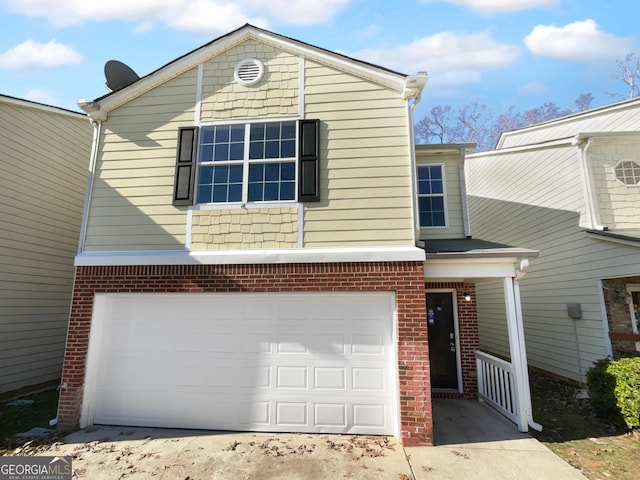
496	385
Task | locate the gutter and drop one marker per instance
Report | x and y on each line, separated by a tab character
590	205
87	197
413	87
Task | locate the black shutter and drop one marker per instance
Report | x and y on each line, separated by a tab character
308	158
183	189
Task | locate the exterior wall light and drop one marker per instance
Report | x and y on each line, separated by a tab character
467	296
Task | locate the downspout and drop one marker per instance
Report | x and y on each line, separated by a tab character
521	271
97	124
413	89
587	187
463	192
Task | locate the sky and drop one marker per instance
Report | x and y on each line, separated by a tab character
497	53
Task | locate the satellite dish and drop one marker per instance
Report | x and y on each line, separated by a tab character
118	75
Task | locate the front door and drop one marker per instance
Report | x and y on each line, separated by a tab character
442	340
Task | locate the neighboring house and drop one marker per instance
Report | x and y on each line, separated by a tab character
252	258
569	188
43	177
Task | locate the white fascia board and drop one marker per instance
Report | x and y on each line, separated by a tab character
42	107
235	257
467	269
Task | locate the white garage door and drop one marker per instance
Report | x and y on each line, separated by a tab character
254	362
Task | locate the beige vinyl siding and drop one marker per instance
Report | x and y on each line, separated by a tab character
131	204
533	199
455	219
365	176
44	159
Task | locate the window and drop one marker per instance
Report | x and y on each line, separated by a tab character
634	309
253	162
628	172
431	196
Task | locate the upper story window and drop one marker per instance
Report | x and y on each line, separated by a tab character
252	162
431	196
627	172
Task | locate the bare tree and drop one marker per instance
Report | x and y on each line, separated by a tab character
629	73
583	101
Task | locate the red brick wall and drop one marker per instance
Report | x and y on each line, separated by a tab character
618	314
406	279
468	336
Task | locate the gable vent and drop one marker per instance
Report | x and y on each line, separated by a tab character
248	71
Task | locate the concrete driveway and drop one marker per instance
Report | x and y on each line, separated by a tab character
472	442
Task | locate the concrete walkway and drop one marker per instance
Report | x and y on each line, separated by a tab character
474	441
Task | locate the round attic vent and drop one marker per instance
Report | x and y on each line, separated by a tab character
248	71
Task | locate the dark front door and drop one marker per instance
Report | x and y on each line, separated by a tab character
442	340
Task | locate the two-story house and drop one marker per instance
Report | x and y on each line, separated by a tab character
259	235
44	159
569	188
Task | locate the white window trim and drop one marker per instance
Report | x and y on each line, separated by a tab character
444	195
633	287
247	122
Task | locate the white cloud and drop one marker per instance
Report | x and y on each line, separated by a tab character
450	59
33	54
40	96
576	42
498	6
192	15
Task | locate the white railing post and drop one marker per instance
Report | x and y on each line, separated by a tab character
497	385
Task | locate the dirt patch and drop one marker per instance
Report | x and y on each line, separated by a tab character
573	431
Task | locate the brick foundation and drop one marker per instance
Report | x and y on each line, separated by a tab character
406	279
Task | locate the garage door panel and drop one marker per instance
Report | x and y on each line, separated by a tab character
261	362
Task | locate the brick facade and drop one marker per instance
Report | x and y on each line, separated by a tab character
618	315
468	337
406	279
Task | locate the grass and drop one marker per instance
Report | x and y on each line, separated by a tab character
21	418
576	434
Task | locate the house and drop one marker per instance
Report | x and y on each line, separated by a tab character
569	188
251	254
43	174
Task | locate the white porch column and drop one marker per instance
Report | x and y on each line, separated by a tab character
518	352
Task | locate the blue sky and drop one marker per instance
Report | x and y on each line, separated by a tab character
495	52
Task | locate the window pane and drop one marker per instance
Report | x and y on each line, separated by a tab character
272	149
288	171
221	152
287	191
271	191
204	193
222	134
220	193
237	133
435	172
236	151
273	131
235	192
289	130
437	204
206	153
235	173
424	187
272	172
221	175
256	172
257	131
255	192
438	219
206	135
206	175
423	173
288	149
256	150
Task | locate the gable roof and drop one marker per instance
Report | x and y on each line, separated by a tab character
409	86
6	99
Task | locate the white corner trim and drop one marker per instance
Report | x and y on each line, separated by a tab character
234	257
198	105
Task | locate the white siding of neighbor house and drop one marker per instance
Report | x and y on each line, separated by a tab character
455	218
533	199
365	173
44	159
619	117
